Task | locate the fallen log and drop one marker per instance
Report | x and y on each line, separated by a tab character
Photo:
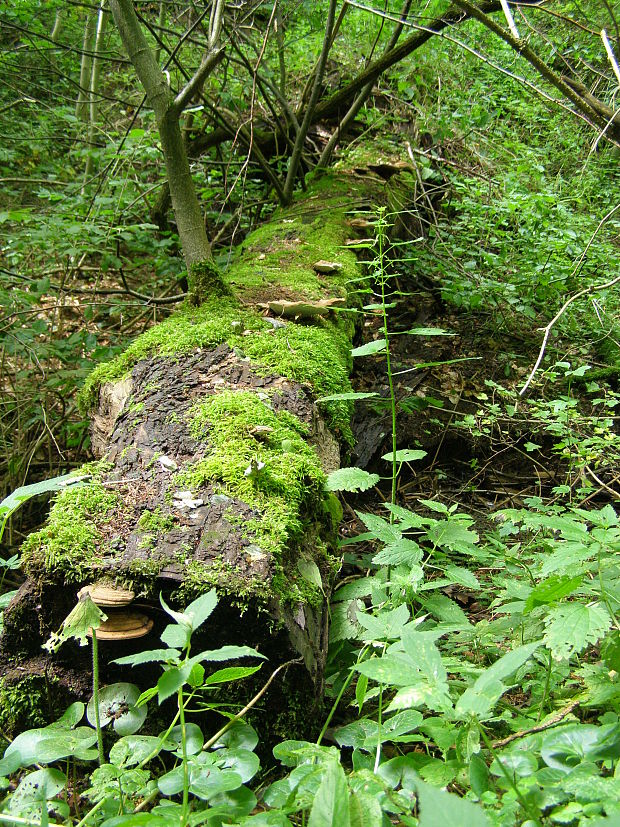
213	454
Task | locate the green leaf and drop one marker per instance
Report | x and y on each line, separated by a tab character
10	504
385	625
551	590
401	552
310	572
479	699
571	745
176	635
452	534
229	674
117	703
331	804
40	785
369	348
351	479
227	653
364	810
439	809
200	609
78	623
478	775
193	735
571	627
429	331
133	749
404	455
149	656
346	397
171	681
464	577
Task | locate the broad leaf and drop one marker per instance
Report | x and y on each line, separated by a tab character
573	626
439	809
377	346
331	805
351	479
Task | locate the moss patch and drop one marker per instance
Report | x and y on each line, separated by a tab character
67	544
277	259
23	704
317	354
279	476
205	281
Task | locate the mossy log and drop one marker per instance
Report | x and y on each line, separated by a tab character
214	451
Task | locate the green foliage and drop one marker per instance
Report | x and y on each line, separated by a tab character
212	773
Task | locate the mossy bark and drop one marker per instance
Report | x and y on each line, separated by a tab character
216	449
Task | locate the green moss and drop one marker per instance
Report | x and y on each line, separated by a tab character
279	256
68	543
155	521
205	282
190	328
276	260
285	482
24	704
317	355
199	577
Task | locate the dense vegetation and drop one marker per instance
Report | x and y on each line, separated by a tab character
473	671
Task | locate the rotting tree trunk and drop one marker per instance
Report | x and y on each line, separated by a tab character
215	456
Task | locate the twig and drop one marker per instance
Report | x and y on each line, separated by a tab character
250	704
547	330
610	55
551	721
611	491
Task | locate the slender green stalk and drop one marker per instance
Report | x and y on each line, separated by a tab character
96	697
343	689
532	814
545	694
181	706
383	280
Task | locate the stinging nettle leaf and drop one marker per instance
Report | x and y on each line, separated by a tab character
351	479
404	455
377	346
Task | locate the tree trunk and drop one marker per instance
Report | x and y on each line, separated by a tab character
202	273
215	451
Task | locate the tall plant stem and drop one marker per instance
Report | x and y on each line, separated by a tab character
184	813
381	234
96	696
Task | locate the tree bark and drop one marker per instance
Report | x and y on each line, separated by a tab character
190	224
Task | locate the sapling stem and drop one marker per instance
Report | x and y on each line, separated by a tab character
184	754
96	696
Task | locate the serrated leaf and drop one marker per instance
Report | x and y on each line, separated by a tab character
200	609
350	396
377	346
551	590
571	627
401	552
351	479
84	617
404	455
464	577
331	804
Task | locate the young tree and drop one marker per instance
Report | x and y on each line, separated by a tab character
168	108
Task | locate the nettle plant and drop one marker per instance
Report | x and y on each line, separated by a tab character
202	777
